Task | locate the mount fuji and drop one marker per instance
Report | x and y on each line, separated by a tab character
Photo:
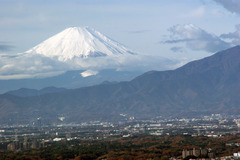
79	42
76	57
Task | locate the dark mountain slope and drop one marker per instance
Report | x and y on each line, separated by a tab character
204	84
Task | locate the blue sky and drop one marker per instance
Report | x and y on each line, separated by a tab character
177	29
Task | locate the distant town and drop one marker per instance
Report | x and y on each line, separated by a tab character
38	135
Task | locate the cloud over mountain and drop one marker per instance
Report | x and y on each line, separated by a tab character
195	38
22	65
19	66
234	37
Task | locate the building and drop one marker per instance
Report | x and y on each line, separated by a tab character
199	153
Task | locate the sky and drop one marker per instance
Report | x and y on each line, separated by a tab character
183	30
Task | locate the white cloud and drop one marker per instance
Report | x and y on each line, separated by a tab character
196	38
23	65
234	37
88	73
231	5
17	66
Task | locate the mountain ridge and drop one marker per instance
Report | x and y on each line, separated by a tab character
210	85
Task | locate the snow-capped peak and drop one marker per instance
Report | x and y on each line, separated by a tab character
78	42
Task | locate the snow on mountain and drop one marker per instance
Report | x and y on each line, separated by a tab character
77	48
79	42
